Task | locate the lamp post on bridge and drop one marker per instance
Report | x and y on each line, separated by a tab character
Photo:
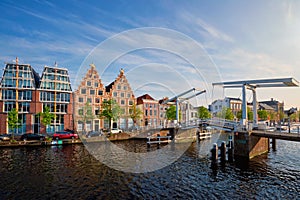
290	112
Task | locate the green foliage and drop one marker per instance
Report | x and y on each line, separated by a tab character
239	114
272	115
111	110
171	113
47	117
135	113
86	112
226	113
203	113
262	114
13	121
281	115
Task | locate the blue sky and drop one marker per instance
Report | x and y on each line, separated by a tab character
238	39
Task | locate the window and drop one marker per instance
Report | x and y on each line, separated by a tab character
155	112
115	94
83	91
88	83
9	94
119	87
80	111
80	99
150	112
122	94
100	92
97	111
96	84
97	100
92	92
130	103
122	102
8	106
89	100
125	87
146	112
128	95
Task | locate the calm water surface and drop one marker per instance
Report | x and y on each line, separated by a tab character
70	172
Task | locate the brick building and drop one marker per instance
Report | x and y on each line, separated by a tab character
120	91
88	98
150	108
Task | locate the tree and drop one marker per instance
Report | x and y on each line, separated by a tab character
135	113
171	113
239	114
86	114
226	113
13	121
203	113
47	117
272	117
281	115
262	114
111	111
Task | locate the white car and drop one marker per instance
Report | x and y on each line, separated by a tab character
116	130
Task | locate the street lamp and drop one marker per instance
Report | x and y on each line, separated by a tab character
290	112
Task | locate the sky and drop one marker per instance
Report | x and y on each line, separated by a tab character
165	47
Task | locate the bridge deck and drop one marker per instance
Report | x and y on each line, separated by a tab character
277	135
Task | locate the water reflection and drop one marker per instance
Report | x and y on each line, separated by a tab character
70	172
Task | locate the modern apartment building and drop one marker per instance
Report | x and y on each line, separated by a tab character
18	90
55	92
23	89
88	99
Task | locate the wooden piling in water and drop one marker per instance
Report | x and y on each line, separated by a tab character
214	153
223	151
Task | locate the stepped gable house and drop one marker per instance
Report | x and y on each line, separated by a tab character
120	91
88	98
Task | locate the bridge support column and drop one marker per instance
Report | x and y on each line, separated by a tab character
247	146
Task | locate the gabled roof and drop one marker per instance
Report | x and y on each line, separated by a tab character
109	87
265	106
140	99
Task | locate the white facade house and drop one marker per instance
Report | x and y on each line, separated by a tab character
235	104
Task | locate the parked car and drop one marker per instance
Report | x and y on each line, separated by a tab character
116	130
5	137
93	134
32	136
64	135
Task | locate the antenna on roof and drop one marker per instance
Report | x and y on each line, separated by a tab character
55	64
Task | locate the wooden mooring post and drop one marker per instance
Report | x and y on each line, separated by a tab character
224	149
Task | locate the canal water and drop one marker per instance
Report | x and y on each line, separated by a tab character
71	172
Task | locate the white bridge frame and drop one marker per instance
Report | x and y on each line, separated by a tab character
253	85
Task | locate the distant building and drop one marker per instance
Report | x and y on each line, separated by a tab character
235	104
188	112
23	89
162	111
88	99
276	105
120	90
150	108
263	106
